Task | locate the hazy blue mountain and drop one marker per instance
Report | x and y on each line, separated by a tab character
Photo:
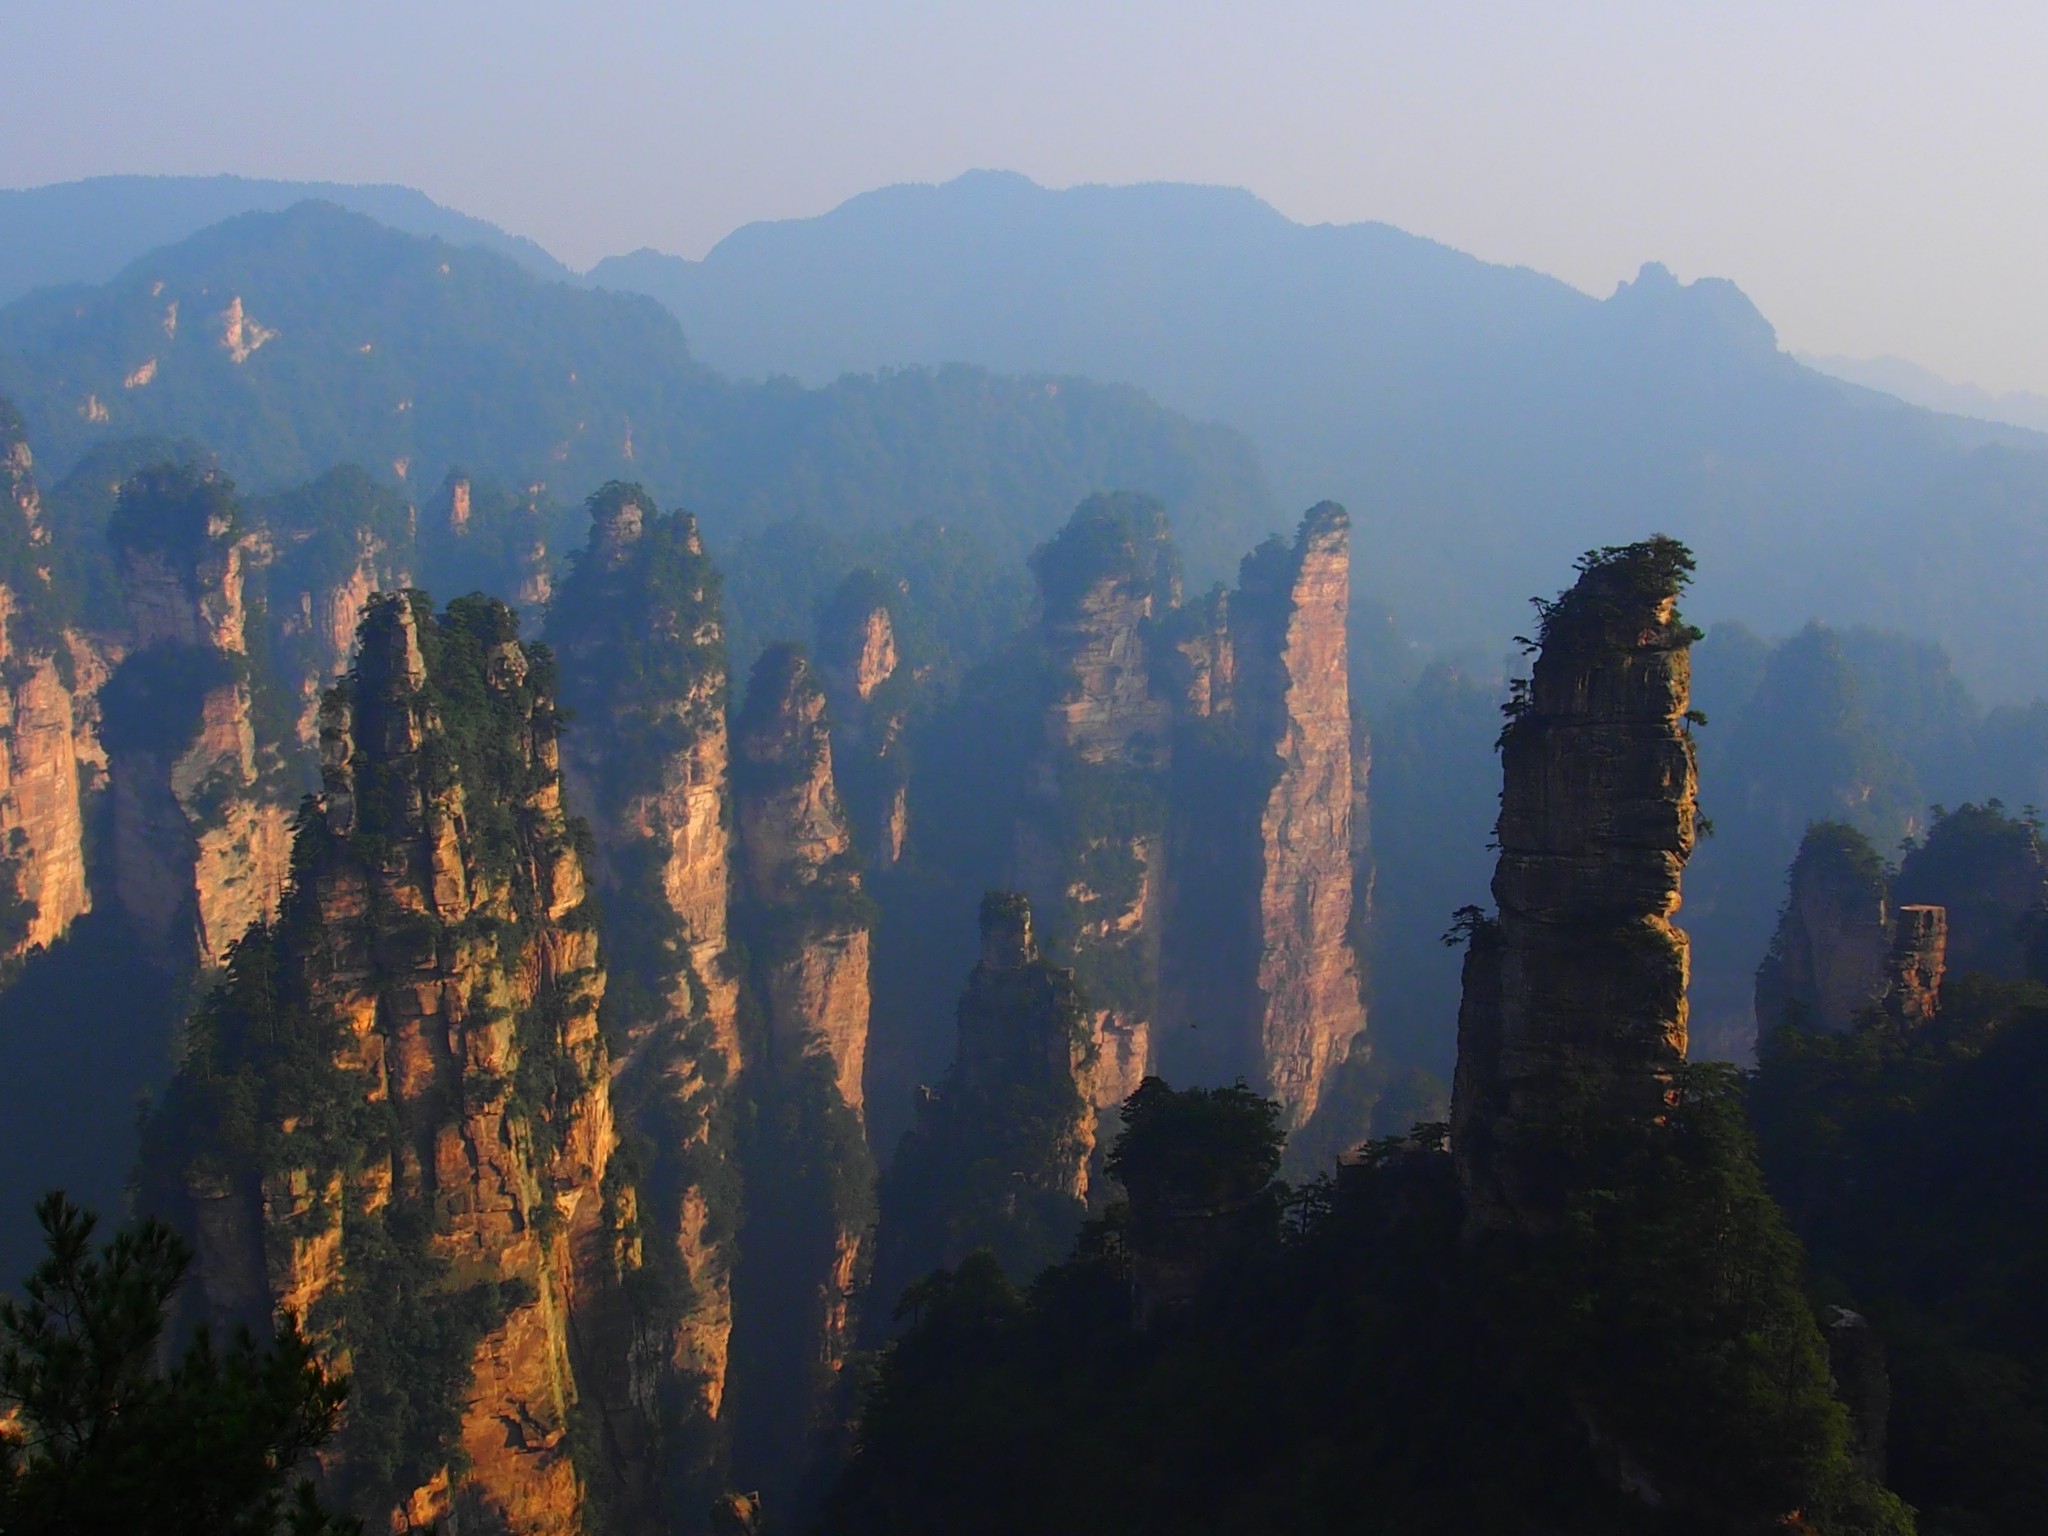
1479	420
87	231
1923	386
290	342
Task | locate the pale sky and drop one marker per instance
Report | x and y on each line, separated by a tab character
1872	174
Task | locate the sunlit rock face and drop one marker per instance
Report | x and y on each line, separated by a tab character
1577	989
427	1089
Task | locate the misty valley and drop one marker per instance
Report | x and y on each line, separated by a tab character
790	894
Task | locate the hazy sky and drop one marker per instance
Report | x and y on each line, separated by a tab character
1872	174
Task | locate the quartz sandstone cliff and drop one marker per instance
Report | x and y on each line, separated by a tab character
1000	1155
416	1163
45	745
1191	824
200	841
1575	993
806	924
1843	950
638	631
868	692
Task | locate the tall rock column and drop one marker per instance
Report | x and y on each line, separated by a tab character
1091	845
201	843
869	690
1294	688
394	1119
1000	1154
806	922
42	840
637	628
1575	994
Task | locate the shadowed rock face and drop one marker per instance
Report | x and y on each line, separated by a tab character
808	928
798	859
437	944
1842	951
201	842
1577	989
1827	958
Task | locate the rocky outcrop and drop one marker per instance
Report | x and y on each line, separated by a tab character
638	632
201	843
1091	844
1914	967
1575	993
423	1124
1191	828
1842	952
1826	963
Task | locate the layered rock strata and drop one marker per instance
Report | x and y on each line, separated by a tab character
1575	993
416	1160
638	631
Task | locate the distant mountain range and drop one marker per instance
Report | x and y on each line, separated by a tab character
1479	420
1922	386
87	231
289	342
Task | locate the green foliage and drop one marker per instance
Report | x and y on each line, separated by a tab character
1619	593
110	1437
1910	1162
1361	1366
1119	537
412	1337
178	510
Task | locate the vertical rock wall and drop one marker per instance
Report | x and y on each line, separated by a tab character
42	839
201	843
638	631
425	1123
1576	992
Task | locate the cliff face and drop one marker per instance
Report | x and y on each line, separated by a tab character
1826	962
1577	991
417	1160
1000	1154
1261	981
799	865
806	922
869	693
201	844
1293	679
42	843
638	631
